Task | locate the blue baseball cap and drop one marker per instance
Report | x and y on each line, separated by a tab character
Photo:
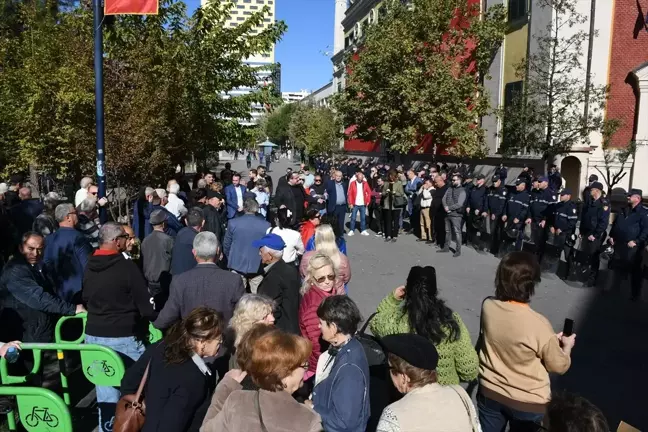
271	241
542	179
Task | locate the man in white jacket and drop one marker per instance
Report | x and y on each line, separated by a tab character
175	205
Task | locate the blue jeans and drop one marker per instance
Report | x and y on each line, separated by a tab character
363	215
494	417
340	213
107	397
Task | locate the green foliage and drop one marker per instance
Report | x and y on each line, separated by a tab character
166	80
276	124
547	117
417	73
315	129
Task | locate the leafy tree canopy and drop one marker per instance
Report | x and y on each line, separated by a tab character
417	73
167	80
317	130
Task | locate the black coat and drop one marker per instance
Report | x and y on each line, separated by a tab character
214	222
177	395
281	283
29	307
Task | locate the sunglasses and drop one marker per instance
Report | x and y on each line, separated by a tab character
330	277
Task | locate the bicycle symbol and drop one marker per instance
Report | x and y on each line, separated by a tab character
108	426
41	414
101	366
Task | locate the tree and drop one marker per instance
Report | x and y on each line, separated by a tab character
315	129
277	123
167	83
547	117
614	156
417	72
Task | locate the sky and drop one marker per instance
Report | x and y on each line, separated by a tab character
301	52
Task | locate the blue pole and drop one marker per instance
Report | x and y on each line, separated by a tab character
99	103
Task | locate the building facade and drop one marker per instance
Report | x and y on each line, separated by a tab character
290	97
320	97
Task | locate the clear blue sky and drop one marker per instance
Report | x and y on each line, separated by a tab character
309	35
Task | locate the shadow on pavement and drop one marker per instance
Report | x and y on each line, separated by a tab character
610	359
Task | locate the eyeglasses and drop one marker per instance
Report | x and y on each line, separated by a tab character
124	236
330	277
305	365
318	180
93	193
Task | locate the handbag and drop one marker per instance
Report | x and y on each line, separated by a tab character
400	202
472	414
130	412
373	350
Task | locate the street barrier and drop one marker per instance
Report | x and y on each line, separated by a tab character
101	365
39	409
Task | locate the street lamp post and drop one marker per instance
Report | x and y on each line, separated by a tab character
99	104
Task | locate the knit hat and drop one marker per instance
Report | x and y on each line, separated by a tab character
414	349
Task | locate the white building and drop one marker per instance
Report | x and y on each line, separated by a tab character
290	97
321	96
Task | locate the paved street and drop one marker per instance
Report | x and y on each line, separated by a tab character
610	361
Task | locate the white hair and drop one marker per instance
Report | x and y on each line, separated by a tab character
88	204
86	182
206	245
149	191
161	193
275	253
202	183
174	188
62	211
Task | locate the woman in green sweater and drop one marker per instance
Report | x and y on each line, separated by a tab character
415	308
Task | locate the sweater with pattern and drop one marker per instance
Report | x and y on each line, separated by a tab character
458	359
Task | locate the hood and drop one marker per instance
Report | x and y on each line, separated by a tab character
102	260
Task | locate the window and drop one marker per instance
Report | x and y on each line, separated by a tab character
254	7
267	20
373	15
382	11
247	1
232	24
247	13
512	92
240	7
347	41
517	10
357	31
234	12
259	1
270	2
240	19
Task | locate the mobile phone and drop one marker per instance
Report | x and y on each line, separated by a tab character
568	328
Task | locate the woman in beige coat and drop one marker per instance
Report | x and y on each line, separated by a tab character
276	364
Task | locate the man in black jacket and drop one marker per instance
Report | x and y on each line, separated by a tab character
119	306
281	282
292	196
437	212
182	258
204	285
212	213
29	303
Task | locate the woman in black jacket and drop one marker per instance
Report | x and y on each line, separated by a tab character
180	385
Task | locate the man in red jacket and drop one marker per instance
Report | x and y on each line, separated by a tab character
359	197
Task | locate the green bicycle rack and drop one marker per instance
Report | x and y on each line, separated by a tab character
39	409
154	336
101	365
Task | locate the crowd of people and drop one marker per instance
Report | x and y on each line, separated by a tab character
250	282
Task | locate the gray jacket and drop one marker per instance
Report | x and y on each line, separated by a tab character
455	199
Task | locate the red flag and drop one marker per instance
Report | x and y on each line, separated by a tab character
130	7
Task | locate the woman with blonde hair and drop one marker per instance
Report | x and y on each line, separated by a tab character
326	244
250	310
319	283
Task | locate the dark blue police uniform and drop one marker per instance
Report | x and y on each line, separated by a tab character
594	222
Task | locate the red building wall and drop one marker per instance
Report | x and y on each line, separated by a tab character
629	50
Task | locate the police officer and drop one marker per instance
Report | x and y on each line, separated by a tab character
474	209
629	234
587	195
495	203
517	209
555	179
563	226
501	172
542	200
594	222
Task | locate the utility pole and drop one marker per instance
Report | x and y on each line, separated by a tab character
99	104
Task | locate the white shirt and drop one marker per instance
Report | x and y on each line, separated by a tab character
294	243
176	206
80	195
239	195
359	199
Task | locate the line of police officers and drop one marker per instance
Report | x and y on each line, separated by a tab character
496	219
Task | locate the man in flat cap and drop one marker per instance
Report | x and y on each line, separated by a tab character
156	258
629	234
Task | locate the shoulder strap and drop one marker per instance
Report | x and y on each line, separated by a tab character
142	384
364	327
470	410
257	403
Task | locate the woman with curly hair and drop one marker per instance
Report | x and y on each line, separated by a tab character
416	308
180	384
250	310
325	244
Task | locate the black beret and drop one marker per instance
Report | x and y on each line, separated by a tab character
416	350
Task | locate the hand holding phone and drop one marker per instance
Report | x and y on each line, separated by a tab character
568	328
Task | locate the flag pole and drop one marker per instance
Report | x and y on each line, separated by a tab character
99	103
